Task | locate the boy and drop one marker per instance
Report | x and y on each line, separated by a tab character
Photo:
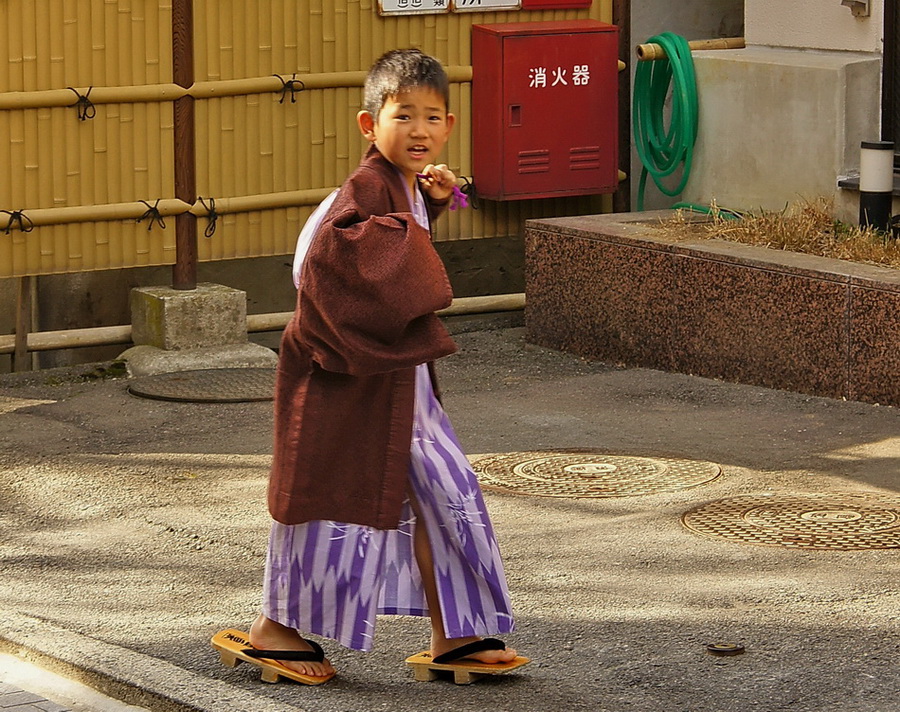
376	508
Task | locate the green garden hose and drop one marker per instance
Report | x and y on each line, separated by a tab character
662	150
715	211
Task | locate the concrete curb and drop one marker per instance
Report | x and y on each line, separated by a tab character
125	674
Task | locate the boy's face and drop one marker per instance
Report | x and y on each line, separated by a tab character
411	129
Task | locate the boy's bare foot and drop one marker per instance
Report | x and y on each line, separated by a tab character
266	634
441	645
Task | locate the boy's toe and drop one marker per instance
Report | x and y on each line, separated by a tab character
496	656
314	669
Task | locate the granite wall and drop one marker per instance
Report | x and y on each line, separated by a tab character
615	288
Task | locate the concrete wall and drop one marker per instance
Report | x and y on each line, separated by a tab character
818	24
778	125
781	120
693	19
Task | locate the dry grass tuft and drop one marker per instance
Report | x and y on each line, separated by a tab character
808	228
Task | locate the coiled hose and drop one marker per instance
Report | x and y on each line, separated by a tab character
662	150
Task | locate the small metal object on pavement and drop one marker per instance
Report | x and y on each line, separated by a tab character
723	649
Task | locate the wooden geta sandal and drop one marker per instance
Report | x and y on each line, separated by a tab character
464	671
234	647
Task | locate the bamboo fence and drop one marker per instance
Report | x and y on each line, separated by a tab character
88	137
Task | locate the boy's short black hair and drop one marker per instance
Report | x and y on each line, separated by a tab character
401	70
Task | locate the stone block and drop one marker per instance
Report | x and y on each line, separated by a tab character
150	360
175	319
777	126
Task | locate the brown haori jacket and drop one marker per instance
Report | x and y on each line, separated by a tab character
345	385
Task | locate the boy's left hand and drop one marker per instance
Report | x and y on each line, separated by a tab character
437	180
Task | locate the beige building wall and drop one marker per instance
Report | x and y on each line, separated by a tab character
813	24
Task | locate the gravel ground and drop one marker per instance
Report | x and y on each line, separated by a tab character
134	529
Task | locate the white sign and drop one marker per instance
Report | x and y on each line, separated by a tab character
485	5
412	7
578	75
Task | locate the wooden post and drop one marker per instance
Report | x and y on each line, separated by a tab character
184	272
21	357
622	19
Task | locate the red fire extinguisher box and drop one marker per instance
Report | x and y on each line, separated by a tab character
544	109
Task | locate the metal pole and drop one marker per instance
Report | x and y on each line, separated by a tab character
184	272
622	19
889	98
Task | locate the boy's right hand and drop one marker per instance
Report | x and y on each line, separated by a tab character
437	180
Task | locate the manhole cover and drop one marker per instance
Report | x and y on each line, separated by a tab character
814	521
587	473
214	385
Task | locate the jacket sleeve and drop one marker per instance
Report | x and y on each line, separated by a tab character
434	207
370	288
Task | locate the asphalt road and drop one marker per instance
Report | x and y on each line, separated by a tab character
133	529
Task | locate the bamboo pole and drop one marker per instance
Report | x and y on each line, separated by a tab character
152	93
274	321
70	338
269	201
98	213
110	335
50	98
651	51
169	207
485	305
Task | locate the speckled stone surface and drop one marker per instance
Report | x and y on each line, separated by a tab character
875	345
762	327
611	287
600	300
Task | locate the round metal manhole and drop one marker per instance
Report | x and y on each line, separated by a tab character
214	385
846	522
588	473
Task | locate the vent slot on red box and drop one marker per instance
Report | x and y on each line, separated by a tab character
584	158
534	161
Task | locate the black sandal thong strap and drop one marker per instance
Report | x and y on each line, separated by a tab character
469	648
316	655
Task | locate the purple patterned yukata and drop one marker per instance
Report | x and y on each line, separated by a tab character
331	579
